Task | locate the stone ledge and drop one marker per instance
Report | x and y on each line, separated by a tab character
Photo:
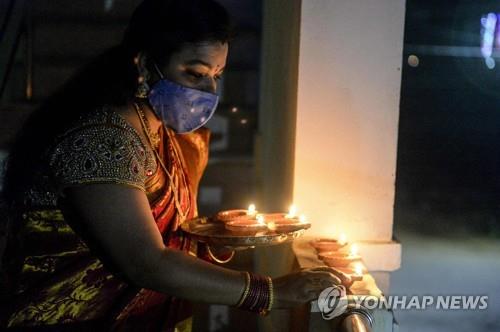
377	256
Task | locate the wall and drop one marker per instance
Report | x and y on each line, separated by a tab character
347	115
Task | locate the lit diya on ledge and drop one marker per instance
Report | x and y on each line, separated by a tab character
230	215
341	258
355	273
325	245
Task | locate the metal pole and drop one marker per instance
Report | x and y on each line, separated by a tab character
356	320
29	52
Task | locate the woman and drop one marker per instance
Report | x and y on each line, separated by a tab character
104	173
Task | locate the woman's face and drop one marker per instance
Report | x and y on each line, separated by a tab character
198	66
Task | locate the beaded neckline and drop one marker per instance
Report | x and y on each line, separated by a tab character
171	174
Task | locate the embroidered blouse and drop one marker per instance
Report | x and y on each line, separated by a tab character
53	276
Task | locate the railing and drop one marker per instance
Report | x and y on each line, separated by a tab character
16	23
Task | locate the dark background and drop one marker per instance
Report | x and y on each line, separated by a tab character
447	188
448	151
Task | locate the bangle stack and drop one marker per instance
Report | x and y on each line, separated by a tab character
258	295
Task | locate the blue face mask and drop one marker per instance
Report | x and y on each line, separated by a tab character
181	108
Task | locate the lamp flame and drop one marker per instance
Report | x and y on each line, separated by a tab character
354	250
251	210
303	218
260	219
271	225
358	268
342	239
292	212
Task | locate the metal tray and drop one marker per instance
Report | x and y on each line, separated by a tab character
214	233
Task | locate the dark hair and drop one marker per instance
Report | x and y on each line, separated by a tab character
158	28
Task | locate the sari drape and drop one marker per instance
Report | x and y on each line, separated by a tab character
56	281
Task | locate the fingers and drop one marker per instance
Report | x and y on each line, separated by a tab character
317	268
316	282
322	278
312	295
344	278
305	286
314	292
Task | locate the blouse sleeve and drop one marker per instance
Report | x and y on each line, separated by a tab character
109	151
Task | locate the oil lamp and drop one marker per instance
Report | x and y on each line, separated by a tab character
292	214
247	225
341	258
355	274
327	245
290	222
230	215
286	225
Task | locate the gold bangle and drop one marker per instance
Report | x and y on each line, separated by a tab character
271	294
267	309
217	260
245	292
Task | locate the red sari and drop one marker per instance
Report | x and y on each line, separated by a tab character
61	284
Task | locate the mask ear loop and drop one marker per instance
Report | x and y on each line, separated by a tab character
158	71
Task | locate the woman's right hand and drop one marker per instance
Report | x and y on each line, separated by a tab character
305	286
